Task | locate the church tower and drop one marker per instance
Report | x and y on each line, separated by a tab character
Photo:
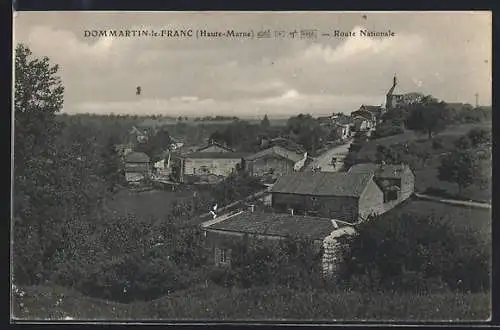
389	97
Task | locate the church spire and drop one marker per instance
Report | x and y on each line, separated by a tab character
394	81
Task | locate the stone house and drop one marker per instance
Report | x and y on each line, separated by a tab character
274	162
222	232
137	167
204	163
348	196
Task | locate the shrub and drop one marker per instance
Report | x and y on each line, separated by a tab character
479	136
463	143
414	253
385	130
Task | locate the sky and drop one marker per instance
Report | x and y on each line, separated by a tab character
446	54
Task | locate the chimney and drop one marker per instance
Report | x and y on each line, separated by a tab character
252	207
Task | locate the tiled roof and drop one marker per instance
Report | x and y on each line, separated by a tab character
137	157
287	144
277	224
323	183
277	150
215	155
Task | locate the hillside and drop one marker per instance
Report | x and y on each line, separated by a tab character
216	303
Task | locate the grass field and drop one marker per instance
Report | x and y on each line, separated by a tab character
216	303
154	203
427	174
466	218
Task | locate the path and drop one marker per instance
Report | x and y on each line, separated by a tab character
454	201
324	160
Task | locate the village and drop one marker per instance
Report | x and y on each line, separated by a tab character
303	196
293	176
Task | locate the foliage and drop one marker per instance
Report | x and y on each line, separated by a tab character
464	167
386	130
239	135
479	136
428	116
236	187
463	143
266	303
293	262
306	131
157	143
415	253
389	155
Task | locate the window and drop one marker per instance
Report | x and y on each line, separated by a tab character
222	256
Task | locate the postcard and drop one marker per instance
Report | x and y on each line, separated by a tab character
251	167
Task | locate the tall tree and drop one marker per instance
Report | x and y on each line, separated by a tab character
428	116
38	96
464	167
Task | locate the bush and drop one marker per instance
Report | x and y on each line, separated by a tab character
385	130
479	136
463	143
414	253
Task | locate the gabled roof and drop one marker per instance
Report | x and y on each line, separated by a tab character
363	113
287	144
212	144
215	155
136	157
277	151
277	224
323	183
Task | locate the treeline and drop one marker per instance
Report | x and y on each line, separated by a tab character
429	116
302	129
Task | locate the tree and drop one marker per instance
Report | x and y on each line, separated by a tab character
111	169
306	131
416	253
38	96
463	167
427	116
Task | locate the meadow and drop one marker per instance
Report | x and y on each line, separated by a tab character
216	303
426	174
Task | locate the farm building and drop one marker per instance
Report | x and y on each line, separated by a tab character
137	167
350	197
274	162
202	163
221	233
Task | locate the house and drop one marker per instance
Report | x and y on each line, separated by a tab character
363	119
342	131
213	146
137	167
204	163
123	149
161	165
348	196
223	232
397	182
136	135
274	162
